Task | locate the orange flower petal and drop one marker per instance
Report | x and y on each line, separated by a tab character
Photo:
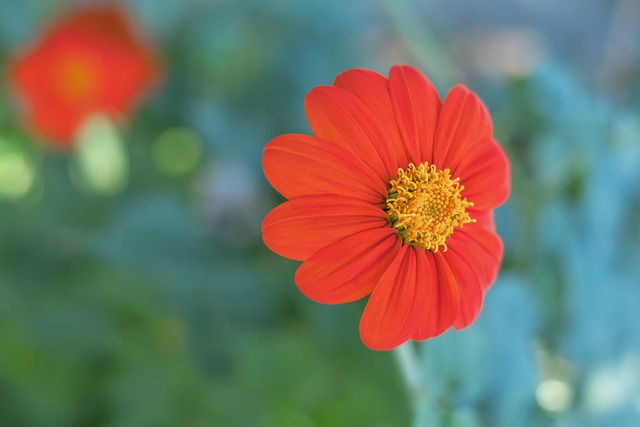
484	218
463	122
481	248
103	20
300	165
59	125
394	310
372	89
349	269
416	104
485	174
302	226
336	115
469	285
444	297
474	256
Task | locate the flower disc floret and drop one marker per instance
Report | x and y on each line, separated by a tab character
425	206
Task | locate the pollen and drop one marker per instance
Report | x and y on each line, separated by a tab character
425	206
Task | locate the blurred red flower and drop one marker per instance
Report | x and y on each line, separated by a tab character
92	60
393	198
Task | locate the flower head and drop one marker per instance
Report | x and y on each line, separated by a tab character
392	197
90	61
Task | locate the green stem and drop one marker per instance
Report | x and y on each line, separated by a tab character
407	360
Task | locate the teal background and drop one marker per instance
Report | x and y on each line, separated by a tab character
156	304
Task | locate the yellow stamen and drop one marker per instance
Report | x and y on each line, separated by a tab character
425	206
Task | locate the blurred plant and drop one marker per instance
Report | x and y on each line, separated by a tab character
17	169
99	163
237	220
91	61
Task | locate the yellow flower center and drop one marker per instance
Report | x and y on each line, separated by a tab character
76	79
425	206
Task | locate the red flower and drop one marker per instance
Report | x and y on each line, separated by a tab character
392	197
91	61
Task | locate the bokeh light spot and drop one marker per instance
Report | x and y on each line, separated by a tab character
16	176
99	163
177	151
612	387
554	395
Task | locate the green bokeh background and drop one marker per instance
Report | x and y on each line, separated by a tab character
154	302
